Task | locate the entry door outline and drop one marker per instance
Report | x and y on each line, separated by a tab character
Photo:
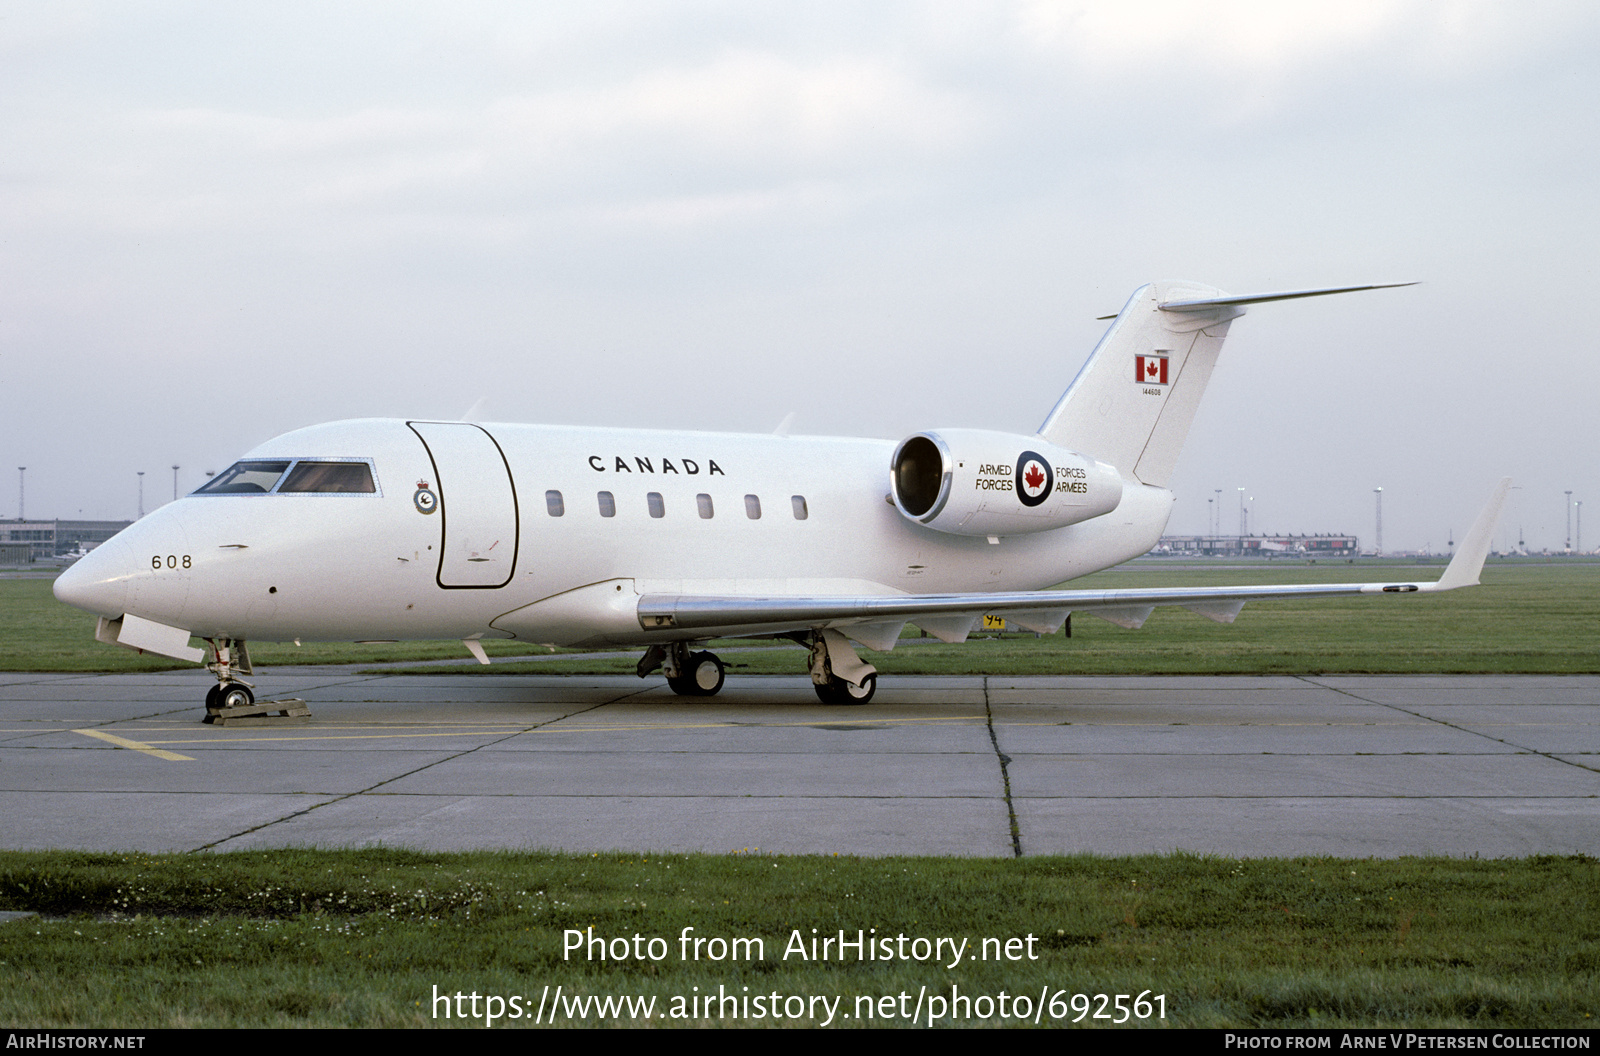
455	484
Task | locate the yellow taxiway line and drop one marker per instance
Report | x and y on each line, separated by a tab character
138	746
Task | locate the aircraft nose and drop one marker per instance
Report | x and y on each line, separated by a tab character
98	582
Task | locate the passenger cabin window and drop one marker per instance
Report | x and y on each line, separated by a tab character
608	504
245	478
657	507
554	503
329	478
799	503
704	502
752	507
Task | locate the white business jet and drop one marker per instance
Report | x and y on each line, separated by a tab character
389	530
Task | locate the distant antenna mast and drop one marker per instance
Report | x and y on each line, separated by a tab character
1379	493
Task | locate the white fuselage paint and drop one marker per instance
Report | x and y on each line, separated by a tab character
336	567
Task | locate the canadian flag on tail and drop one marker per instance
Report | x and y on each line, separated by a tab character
1150	370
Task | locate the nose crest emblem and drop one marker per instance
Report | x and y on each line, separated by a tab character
424	499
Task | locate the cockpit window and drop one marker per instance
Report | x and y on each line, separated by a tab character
302	476
245	478
330	478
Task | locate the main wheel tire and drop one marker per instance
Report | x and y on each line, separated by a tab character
235	695
707	673
838	691
703	679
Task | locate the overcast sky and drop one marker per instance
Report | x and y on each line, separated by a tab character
220	222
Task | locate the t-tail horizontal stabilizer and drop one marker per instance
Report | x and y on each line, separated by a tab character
1201	304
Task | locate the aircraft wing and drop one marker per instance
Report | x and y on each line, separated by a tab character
876	620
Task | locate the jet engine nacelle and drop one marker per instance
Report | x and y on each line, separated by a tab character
975	482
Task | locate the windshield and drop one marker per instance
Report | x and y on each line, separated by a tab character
326	477
245	478
307	477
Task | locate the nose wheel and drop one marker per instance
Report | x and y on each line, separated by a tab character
229	695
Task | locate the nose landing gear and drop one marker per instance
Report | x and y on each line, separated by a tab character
837	674
229	659
232	701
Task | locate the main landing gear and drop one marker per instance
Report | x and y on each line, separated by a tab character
698	674
230	659
837	674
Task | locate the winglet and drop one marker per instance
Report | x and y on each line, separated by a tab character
1464	568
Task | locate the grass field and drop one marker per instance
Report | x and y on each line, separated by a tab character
362	938
1528	617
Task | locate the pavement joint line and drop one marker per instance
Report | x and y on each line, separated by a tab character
1005	774
138	746
389	780
1455	726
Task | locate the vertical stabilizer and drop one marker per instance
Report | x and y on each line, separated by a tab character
1132	403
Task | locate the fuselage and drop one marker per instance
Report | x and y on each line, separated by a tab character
465	525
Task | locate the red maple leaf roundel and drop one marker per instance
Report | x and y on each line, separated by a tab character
1033	479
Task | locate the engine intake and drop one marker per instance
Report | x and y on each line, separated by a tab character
975	482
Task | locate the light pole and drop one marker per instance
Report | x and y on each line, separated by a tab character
1569	520
1580	526
174	483
1218	529
21	476
1241	518
1378	550
1211	516
141	493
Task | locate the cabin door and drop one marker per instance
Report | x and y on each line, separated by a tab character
477	504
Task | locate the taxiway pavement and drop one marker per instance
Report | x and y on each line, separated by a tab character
992	766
